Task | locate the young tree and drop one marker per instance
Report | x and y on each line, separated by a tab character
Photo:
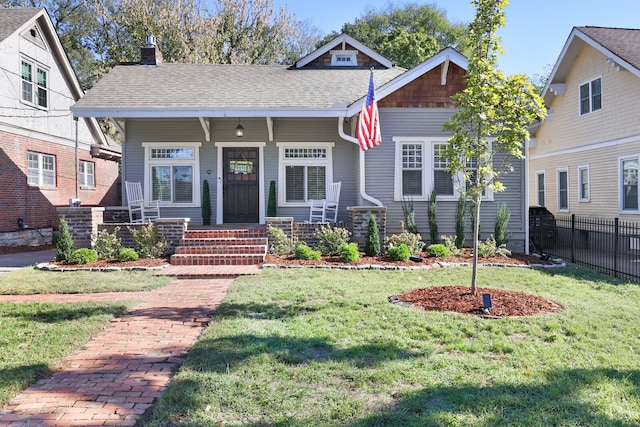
490	127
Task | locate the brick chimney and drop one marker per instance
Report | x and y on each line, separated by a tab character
150	55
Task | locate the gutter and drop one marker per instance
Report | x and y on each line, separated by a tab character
349	138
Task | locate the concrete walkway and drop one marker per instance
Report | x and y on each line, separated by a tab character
118	374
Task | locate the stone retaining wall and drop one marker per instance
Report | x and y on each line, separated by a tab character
27	237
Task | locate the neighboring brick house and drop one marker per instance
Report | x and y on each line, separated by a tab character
40	142
584	160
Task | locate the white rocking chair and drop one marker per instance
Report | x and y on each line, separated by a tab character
139	211
326	210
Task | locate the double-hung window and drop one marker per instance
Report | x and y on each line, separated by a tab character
540	184
34	84
172	174
591	96
583	184
563	189
629	185
41	169
304	173
87	174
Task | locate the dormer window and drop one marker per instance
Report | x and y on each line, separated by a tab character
344	58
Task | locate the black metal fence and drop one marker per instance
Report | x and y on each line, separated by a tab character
607	245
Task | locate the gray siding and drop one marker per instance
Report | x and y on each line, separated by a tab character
380	179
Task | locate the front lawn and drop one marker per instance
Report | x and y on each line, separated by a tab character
312	347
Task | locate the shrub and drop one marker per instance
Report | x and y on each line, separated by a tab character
271	203
330	239
64	242
303	251
438	250
413	241
449	243
489	248
409	215
460	208
349	252
148	243
107	245
127	254
281	244
84	256
372	242
206	203
433	225
500	228
399	253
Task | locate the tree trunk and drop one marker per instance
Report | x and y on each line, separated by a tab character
476	238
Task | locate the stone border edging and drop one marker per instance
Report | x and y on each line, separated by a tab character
560	264
54	267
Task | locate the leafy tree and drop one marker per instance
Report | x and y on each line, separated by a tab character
494	113
407	36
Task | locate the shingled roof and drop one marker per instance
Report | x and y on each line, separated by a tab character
11	20
212	90
623	42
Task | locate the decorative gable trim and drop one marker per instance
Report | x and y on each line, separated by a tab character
340	43
445	56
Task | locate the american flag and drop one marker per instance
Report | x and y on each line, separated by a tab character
369	123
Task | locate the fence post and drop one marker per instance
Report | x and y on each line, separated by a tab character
615	248
573	240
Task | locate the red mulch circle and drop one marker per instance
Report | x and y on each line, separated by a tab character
460	300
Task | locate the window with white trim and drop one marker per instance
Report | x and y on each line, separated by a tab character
41	169
591	96
344	58
34	84
540	185
305	171
87	174
583	184
172	174
421	166
563	189
629	185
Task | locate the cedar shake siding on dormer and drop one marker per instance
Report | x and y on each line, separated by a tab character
427	90
324	61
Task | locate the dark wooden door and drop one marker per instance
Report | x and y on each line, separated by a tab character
240	185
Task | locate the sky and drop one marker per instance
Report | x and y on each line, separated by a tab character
532	39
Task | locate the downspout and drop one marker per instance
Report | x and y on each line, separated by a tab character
349	138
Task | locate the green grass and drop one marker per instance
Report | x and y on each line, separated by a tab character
35	336
311	347
29	280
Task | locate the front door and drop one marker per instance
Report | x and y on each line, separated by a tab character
240	184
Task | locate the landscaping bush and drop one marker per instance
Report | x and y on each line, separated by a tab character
460	208
281	244
271	203
438	250
409	215
64	242
372	242
149	244
330	239
413	241
399	253
84	256
349	252
450	244
489	248
127	254
500	232
107	245
303	251
433	209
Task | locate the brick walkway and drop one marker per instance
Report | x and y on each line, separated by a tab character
117	375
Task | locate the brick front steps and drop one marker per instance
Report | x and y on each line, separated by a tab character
237	246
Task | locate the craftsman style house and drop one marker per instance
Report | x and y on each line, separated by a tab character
584	160
47	158
241	127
